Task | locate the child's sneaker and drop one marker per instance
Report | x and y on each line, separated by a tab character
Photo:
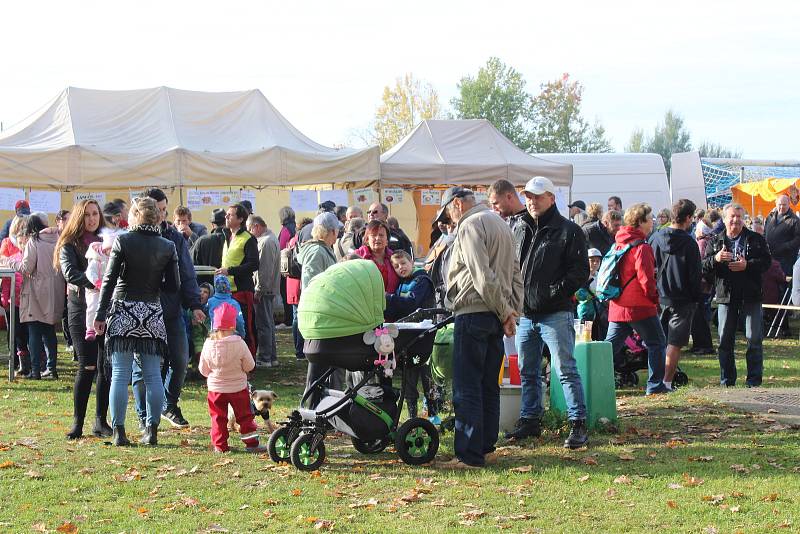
258	449
220	451
90	335
435	420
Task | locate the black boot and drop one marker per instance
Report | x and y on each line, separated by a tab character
24	362
120	439
150	435
77	429
525	428
578	435
101	429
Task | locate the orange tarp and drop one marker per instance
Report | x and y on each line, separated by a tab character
758	198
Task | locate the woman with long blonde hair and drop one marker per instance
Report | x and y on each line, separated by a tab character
81	230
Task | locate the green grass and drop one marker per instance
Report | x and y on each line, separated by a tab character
678	462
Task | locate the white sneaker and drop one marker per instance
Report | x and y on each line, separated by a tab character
262	365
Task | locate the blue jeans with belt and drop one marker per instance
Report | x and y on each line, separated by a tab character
557	331
121	371
477	356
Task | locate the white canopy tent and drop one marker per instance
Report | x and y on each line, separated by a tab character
632	177
464	152
170	137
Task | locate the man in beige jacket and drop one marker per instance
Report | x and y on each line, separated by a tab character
267	279
484	291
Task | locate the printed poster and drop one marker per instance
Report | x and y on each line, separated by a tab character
364	196
9	197
393	195
337	196
303	200
46	201
100	198
431	197
198	199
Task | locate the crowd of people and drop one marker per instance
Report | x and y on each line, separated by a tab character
121	280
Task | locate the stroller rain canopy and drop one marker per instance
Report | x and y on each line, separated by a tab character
170	137
345	300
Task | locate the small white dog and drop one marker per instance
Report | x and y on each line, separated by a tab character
261	403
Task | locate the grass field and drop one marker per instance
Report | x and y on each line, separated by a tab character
680	463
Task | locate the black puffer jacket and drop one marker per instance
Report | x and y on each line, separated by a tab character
552	256
738	286
783	235
142	263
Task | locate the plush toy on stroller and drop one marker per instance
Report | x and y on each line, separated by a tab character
341	318
632	358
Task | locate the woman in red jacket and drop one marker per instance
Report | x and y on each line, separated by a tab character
637	306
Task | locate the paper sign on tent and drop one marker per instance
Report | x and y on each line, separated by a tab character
392	195
46	201
9	197
431	197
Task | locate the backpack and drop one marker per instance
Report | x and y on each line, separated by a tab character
290	267
609	286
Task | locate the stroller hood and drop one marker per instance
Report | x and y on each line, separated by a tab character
347	299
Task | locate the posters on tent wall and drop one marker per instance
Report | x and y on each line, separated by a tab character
199	199
562	196
392	195
9	197
430	197
337	196
100	198
364	195
303	200
46	201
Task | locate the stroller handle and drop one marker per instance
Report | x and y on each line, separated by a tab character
424	313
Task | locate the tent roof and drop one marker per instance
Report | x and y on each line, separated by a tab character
464	152
164	136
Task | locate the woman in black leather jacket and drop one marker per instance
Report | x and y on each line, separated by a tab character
82	230
141	264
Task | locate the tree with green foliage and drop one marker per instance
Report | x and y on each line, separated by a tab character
669	137
558	125
402	107
713	150
497	94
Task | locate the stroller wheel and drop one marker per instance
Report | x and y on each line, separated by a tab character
680	379
369	447
279	445
303	458
417	441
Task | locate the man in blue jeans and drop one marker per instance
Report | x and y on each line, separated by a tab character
484	291
188	296
737	258
552	253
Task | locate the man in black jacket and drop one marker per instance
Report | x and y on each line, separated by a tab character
207	250
552	254
782	231
738	258
600	235
679	270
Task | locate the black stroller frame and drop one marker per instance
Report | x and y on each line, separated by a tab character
301	438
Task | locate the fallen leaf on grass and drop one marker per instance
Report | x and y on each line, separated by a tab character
86	471
773	410
324	524
130	475
691	482
472	515
7	464
584	478
622	479
39	527
244	507
411	497
521	469
734	509
700	458
713	499
369	503
297	492
67	528
236	474
439	502
223	462
589	460
772	497
215	527
155	458
36	475
675	486
627	457
672	504
268	514
675	442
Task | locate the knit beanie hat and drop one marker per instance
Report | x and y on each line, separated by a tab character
225	317
222	285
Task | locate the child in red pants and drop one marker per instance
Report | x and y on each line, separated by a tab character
226	360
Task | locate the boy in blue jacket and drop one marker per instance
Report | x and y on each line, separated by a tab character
222	293
415	291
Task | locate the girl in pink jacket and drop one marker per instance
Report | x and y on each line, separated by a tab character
226	360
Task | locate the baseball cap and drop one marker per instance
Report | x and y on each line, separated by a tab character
594	253
218	217
447	197
539	185
578	204
22	207
328	220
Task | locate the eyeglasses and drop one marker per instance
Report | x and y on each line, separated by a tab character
373	212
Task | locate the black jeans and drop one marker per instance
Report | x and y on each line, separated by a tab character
701	330
413	376
90	354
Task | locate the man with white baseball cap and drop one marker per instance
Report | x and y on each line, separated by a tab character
552	252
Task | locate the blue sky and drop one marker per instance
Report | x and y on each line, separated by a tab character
731	68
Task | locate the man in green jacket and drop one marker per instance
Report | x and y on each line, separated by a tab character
484	291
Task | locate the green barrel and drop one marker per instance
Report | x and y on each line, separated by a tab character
596	368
